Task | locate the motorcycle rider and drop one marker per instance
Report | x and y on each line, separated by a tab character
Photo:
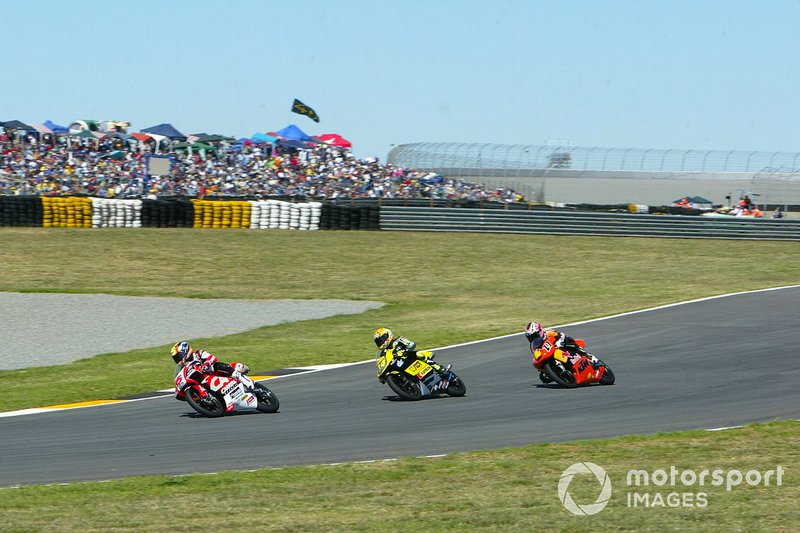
537	336
183	355
403	347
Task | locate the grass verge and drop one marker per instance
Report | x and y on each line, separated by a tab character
500	490
440	288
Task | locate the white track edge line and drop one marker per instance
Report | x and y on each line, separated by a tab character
320	368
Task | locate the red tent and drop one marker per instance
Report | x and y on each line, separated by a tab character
335	139
141	137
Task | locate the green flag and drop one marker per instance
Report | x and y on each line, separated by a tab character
302	109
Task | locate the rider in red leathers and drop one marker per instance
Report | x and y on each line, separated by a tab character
207	363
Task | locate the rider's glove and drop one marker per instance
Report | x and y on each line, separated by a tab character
244	369
560	341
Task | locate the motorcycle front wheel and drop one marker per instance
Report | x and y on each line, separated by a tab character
209	406
404	387
456	386
267	401
608	375
560	375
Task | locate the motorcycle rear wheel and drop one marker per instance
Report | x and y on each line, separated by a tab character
456	387
560	375
404	387
210	406
267	401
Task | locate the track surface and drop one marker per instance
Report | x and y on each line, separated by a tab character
707	364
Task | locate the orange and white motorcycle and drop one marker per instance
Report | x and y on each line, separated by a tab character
570	369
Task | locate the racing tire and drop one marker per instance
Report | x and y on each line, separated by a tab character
403	387
267	401
560	375
210	406
456	386
544	378
608	376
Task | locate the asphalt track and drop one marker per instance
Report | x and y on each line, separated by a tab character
713	363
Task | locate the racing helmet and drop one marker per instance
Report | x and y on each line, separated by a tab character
534	329
180	350
383	337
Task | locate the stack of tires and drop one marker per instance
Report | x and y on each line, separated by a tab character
343	217
221	214
66	212
113	213
21	211
168	213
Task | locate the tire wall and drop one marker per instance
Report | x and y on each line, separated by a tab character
21	211
221	214
341	217
66	212
83	212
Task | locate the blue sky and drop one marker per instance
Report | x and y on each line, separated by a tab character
720	75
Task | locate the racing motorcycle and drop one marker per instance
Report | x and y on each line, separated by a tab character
213	395
568	369
412	378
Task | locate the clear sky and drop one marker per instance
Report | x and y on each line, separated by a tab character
703	74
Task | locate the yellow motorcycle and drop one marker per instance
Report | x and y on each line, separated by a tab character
413	379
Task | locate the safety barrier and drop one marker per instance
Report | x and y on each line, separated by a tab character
276	214
83	212
116	213
342	217
21	211
66	212
582	223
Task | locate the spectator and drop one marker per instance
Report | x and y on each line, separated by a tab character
72	166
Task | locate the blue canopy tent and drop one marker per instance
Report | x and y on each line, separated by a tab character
55	127
263	138
293	133
292	144
165	130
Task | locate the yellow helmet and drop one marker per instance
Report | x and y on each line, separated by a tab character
382	336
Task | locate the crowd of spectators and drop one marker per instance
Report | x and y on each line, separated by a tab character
112	168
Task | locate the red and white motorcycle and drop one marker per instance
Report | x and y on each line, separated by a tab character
213	395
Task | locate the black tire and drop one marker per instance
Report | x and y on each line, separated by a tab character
560	375
456	387
267	401
210	406
404	387
608	376
544	378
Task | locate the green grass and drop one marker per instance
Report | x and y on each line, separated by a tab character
440	288
505	490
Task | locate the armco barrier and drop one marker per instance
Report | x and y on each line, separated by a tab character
585	223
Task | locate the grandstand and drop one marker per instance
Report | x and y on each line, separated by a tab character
571	174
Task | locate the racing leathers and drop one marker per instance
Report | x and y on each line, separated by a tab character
207	363
561	341
557	339
404	347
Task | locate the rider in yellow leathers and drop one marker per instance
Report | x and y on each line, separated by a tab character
402	347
